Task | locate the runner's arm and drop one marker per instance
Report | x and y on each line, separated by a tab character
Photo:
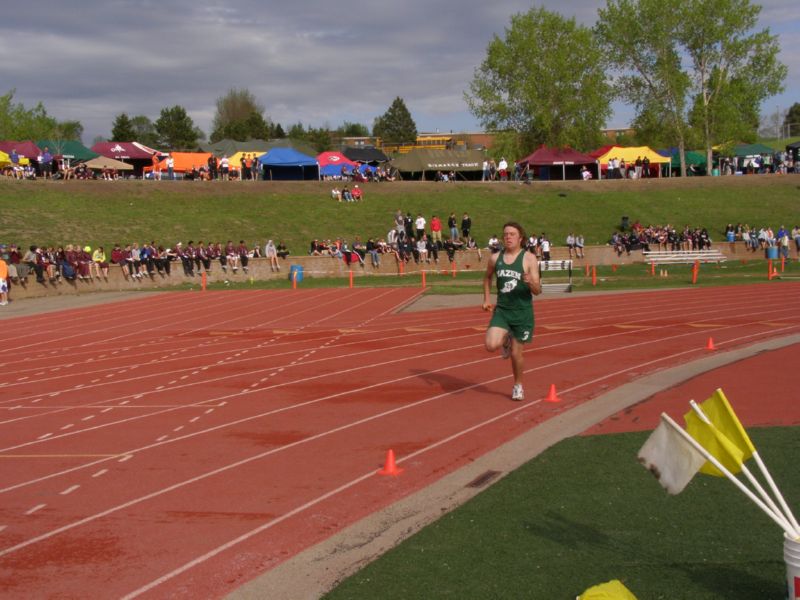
487	282
531	275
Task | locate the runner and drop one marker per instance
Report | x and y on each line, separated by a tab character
511	326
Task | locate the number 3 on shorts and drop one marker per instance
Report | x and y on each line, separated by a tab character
526	335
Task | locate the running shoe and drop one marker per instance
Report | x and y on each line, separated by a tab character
517	393
507	346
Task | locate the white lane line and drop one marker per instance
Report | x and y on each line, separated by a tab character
46	435
36	400
125	458
105	410
70	489
193	419
209	411
100	473
30	511
68	426
124	402
162	438
178	428
87	418
3	527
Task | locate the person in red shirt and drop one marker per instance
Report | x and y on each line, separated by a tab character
436	230
357	194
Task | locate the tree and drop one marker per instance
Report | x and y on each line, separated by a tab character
144	131
544	80
348	129
240	117
645	34
122	129
319	137
396	126
297	132
176	130
277	132
20	123
731	66
791	123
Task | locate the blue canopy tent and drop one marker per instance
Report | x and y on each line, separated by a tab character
288	164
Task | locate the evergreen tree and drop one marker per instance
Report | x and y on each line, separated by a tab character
176	130
122	129
791	123
396	126
240	117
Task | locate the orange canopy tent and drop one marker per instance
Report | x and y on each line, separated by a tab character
184	161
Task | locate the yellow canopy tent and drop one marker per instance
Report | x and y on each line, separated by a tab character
236	159
5	160
630	154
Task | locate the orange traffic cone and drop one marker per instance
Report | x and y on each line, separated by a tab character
551	395
710	344
389	467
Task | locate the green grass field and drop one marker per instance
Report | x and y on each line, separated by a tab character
102	212
585	512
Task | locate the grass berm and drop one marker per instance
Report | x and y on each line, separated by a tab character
102	213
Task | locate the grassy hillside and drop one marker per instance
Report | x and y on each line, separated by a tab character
106	212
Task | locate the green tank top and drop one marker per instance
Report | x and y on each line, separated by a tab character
512	292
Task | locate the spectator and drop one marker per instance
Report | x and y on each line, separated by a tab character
356	194
436	229
579	244
466	226
3	282
493	245
419	225
283	251
336	194
99	263
244	255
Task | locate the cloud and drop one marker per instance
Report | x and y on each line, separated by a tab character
315	62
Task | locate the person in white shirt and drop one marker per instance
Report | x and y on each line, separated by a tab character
570	243
545	248
419	225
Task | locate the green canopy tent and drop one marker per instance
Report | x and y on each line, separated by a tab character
71	151
695	161
231	147
425	163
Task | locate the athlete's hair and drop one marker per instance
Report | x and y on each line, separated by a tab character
519	228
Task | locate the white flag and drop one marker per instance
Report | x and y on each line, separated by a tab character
669	457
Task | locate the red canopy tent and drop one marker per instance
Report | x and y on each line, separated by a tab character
133	153
25	149
563	157
330	163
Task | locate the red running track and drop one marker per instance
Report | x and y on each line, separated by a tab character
183	444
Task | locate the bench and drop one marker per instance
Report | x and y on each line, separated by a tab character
681	257
556	265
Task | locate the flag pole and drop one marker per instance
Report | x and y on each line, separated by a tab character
750	477
710	458
776	491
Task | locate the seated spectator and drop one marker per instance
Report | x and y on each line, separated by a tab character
586	174
473	245
347	196
283	251
356	193
336	194
493	245
422	249
271	254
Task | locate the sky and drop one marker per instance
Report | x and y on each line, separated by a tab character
319	63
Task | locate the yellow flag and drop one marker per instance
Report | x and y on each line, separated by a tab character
717	444
611	590
720	413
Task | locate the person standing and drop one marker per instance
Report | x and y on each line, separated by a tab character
419	224
436	229
511	325
47	163
452	224
170	168
156	160
466	226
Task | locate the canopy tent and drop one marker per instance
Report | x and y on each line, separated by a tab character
235	160
630	155
794	150
746	150
183	161
70	150
229	147
138	155
423	160
103	162
369	155
692	157
288	163
5	160
331	163
25	148
554	157
123	150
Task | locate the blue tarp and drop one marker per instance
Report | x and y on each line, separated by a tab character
288	163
